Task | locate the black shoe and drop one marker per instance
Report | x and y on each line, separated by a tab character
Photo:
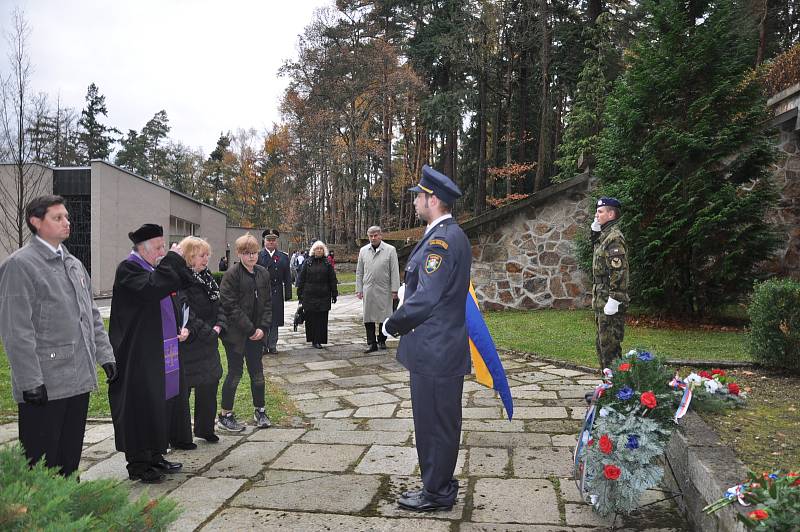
186	446
372	348
316	346
166	466
210	438
273	350
381	345
411	494
148	476
422	504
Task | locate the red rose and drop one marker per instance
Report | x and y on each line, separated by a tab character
719	372
733	388
624	366
611	472
758	515
796	482
590	442
605	444
705	374
648	399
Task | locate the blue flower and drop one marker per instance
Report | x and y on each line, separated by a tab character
645	356
625	393
633	441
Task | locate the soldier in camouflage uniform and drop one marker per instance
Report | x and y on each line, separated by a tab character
610	280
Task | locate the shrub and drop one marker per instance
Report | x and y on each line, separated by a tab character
774	338
39	498
218	276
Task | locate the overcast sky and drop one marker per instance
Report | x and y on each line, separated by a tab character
211	64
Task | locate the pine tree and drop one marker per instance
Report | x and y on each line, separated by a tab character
684	150
96	139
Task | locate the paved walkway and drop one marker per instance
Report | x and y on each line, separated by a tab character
341	466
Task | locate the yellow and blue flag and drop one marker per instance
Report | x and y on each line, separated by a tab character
488	368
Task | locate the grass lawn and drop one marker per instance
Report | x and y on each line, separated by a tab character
570	334
346	277
278	404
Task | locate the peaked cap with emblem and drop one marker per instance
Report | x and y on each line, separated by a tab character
438	184
609	202
146	232
270	234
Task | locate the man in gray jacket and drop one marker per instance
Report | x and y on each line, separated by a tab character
377	283
53	336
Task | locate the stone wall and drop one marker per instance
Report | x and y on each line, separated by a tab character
527	260
786	173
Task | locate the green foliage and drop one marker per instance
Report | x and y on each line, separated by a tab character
685	151
585	120
39	498
95	138
774	501
217	276
774	338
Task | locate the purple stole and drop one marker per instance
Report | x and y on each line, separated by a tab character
169	333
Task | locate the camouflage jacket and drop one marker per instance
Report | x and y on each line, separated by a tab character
609	267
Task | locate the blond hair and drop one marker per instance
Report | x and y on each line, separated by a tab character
193	246
317	244
246	243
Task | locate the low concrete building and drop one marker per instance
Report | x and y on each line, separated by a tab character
105	202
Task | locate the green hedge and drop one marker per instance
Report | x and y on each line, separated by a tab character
774	338
218	276
39	499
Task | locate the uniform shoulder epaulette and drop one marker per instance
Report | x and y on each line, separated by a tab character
438	242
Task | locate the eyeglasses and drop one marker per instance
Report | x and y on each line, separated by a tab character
250	253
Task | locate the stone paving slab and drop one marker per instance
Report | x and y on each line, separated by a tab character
248	519
290	490
515	501
200	497
246	460
387	505
542	462
388	459
357	437
315	457
372	398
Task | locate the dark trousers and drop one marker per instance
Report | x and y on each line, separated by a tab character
271	335
370	327
253	353
436	405
180	421
205	408
140	460
317	327
54	431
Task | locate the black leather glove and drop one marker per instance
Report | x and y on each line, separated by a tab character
111	372
37	396
333	300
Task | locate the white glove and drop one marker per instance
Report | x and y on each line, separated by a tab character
596	226
401	292
611	308
383	326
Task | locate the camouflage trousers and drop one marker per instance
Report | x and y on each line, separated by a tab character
610	333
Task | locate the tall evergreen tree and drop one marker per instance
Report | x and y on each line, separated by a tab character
685	150
96	138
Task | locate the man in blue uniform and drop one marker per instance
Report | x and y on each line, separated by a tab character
434	345
280	278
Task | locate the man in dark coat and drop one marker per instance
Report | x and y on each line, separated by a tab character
280	276
144	331
434	346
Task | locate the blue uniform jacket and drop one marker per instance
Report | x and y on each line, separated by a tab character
280	279
432	318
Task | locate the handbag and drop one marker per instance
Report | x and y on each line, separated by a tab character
299	316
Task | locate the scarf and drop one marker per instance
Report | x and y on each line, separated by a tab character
209	283
169	335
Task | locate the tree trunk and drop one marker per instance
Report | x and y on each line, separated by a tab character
480	185
543	161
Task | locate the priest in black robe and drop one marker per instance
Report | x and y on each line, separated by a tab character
144	330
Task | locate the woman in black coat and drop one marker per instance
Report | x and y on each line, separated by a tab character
199	354
316	290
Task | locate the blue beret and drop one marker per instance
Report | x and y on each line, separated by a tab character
438	184
609	202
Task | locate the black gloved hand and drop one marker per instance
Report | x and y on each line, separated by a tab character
37	396
287	298
111	372
333	300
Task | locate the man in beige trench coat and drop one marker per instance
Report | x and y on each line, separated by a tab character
377	283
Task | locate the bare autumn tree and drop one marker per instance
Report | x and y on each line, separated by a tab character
25	180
